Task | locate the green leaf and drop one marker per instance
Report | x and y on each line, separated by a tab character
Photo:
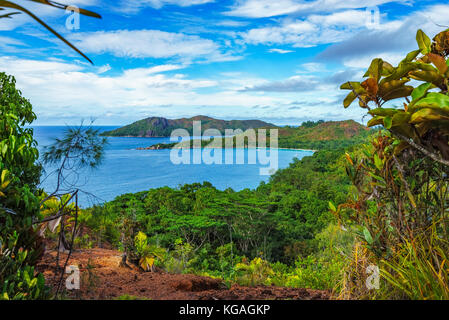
421	90
375	69
424	42
383	112
427	76
367	235
349	99
428	114
388	121
332	207
378	162
400	118
375	121
402	92
411	56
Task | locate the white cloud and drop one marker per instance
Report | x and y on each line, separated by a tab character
342	18
58	89
104	68
313	30
349	29
290	32
263	8
281	51
270	8
134	6
150	44
391	41
292	84
312	67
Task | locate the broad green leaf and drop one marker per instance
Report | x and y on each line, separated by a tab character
378	162
332	207
375	121
349	99
367	235
421	90
400	118
401	92
401	71
387	69
388	86
375	69
383	112
388	121
424	42
428	114
352	85
433	99
411	56
427	76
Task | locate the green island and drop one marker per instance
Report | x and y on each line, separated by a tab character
163	127
311	135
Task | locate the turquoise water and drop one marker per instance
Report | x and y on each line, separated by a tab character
125	169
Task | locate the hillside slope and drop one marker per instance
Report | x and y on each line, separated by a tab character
102	278
323	135
162	127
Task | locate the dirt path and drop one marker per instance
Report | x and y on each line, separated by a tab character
102	278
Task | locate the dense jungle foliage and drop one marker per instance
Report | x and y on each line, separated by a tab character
281	224
400	201
20	245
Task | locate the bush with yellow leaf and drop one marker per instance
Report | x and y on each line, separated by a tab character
147	253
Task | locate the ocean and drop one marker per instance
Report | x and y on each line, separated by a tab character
125	169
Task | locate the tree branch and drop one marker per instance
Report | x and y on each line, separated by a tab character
428	153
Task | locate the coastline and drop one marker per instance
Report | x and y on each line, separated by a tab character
155	148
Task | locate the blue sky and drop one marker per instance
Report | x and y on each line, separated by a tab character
280	61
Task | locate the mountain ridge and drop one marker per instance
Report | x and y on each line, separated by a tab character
162	127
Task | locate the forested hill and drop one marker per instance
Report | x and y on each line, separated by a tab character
322	135
319	135
162	127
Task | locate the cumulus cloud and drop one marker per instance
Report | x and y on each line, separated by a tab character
311	31
150	44
133	6
270	8
56	87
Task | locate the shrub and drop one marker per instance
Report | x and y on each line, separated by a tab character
20	244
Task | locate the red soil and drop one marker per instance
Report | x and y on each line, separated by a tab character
103	278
